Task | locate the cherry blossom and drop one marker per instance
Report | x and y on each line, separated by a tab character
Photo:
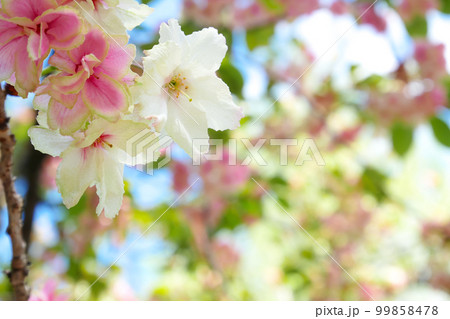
369	15
49	293
95	157
93	79
29	29
409	9
181	89
431	59
114	16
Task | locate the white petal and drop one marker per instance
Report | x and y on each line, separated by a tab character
153	106
186	123
40	103
134	143
213	96
48	141
132	13
75	174
94	131
207	48
172	32
160	62
110	188
159	65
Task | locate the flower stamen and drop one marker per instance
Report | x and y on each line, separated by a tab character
177	86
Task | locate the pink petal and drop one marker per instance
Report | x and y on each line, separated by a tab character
30	9
27	71
38	45
9	31
62	61
7	57
69	83
94	43
105	96
68	121
68	44
89	62
63	27
117	62
68	100
22	22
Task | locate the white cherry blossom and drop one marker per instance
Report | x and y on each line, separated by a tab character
95	157
180	87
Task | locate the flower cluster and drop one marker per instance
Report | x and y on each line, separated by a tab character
252	14
92	105
416	89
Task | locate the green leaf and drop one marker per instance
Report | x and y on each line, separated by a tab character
417	27
373	81
445	6
259	36
273	6
441	131
402	138
446	83
48	71
373	182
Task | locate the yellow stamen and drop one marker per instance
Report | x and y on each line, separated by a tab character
176	86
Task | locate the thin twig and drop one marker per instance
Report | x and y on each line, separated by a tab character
19	264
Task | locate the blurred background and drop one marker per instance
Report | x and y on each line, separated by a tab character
371	91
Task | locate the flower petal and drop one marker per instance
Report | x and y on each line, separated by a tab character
117	62
27	71
109	183
172	32
30	9
63	27
94	43
8	55
9	31
105	96
49	141
132	13
69	84
184	124
76	173
207	48
159	63
68	121
213	96
38	45
62	61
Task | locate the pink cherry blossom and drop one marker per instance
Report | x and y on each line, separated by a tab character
93	79
221	177
340	7
28	30
295	8
226	257
394	106
369	15
431	59
181	175
212	13
49	293
409	9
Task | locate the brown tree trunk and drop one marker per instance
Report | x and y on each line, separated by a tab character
19	263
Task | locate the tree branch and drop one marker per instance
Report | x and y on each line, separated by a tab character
19	264
31	168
